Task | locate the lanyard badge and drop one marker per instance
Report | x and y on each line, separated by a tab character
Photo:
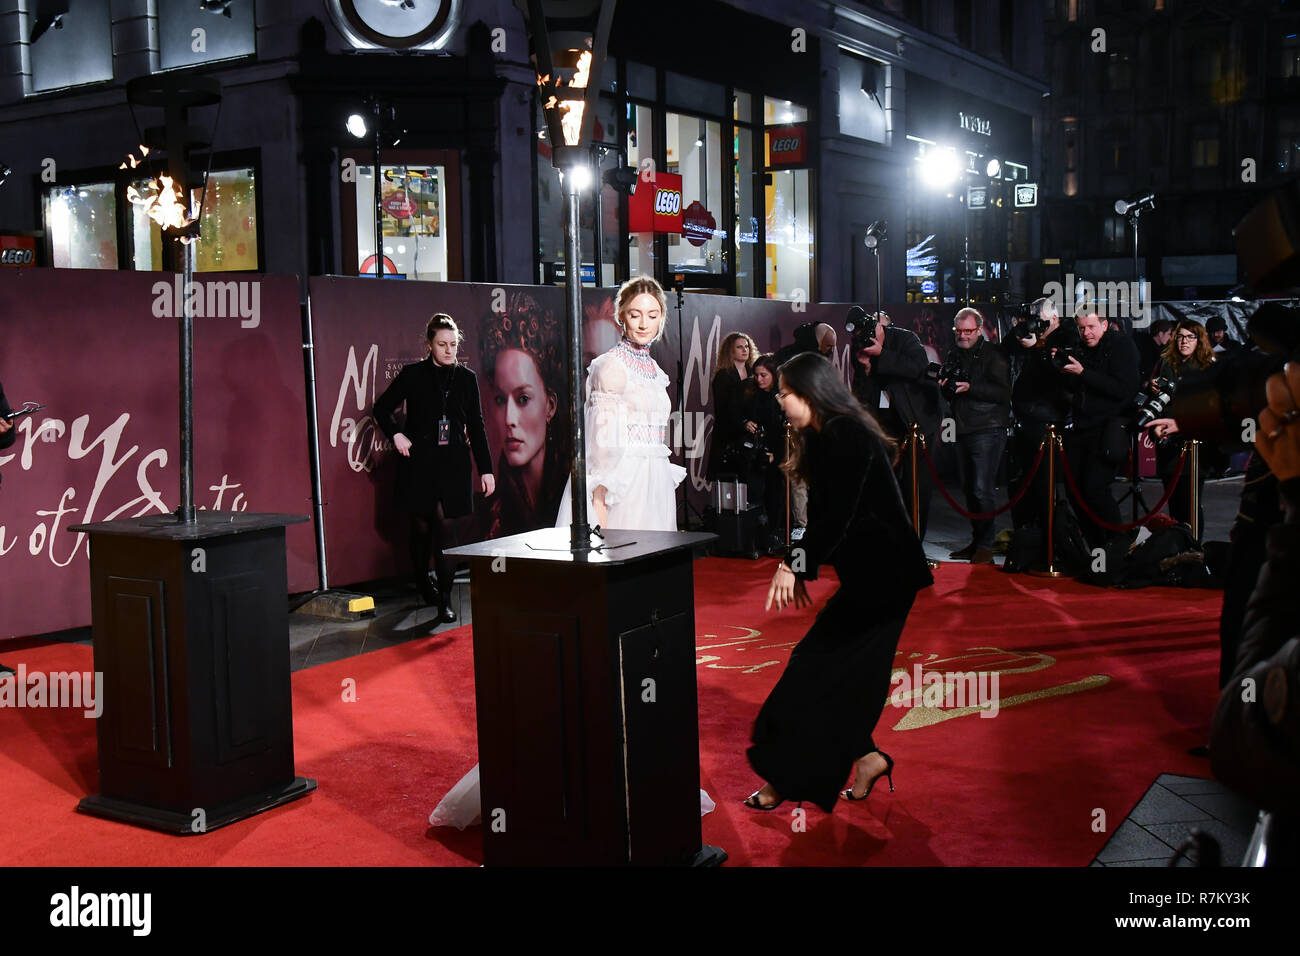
444	431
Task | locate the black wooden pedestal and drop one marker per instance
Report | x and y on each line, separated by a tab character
588	723
191	634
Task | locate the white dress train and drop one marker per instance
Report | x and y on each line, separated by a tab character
627	413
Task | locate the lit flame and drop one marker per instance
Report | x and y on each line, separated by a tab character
571	110
161	199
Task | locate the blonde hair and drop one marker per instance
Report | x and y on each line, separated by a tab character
724	352
641	285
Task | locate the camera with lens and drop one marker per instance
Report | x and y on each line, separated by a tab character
947	373
744	456
1154	399
861	328
1062	358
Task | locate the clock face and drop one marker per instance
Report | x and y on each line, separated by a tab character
395	24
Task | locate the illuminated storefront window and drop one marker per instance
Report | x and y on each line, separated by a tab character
228	237
415	240
81	222
787	202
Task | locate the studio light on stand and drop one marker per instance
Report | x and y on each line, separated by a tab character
1131	209
874	237
383	130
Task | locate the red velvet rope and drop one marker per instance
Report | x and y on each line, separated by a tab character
982	515
1078	496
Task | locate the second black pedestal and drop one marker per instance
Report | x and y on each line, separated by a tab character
588	722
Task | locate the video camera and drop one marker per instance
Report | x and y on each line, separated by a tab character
861	328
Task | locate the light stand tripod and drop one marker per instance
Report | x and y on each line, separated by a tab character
1132	210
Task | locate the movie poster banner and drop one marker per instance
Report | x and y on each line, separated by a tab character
515	343
100	351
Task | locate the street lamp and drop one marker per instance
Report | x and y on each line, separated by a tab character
169	200
568	39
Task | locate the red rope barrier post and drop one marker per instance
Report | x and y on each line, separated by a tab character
1053	445
913	440
1194	493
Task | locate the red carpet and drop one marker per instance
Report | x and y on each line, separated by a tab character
1133	676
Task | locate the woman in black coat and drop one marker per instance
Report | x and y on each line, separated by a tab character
444	420
735	364
815	728
764	423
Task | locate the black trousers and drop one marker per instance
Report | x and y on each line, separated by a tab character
1093	474
1030	510
428	538
820	716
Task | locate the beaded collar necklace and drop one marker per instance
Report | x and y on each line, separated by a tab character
637	357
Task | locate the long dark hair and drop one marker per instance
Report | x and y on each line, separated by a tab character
1201	358
815	380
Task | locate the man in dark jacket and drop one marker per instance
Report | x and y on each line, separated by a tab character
979	393
1102	379
889	378
1037	400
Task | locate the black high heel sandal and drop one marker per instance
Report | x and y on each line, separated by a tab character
752	802
888	774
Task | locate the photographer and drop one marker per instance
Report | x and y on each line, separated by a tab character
765	425
1189	351
1102	377
976	380
1037	399
889	379
1255	742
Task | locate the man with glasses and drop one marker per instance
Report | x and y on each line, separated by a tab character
978	388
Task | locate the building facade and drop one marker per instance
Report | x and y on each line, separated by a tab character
1196	102
785	128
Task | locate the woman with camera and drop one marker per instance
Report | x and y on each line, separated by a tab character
1188	352
764	424
815	728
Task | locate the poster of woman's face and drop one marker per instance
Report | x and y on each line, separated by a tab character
525	407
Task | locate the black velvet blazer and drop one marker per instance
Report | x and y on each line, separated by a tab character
856	519
436	473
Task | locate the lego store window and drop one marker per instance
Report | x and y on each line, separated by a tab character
694	152
787	199
81	225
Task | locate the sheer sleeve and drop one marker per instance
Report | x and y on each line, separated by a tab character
607	429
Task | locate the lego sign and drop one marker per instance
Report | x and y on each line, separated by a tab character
17	250
656	206
787	146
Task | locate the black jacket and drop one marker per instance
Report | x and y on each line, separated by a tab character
728	416
763	409
805	340
436	473
900	370
987	403
1038	396
856	519
9	437
1109	384
1255	742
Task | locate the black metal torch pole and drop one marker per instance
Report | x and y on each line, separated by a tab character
580	531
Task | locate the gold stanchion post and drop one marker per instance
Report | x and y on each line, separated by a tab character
913	442
1053	443
1194	491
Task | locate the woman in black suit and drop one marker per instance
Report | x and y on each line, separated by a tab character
764	423
815	728
735	364
444	420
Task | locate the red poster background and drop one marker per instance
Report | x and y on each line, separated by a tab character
88	345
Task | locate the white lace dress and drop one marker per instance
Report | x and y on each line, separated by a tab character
627	413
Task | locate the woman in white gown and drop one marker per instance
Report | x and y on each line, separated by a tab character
631	482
